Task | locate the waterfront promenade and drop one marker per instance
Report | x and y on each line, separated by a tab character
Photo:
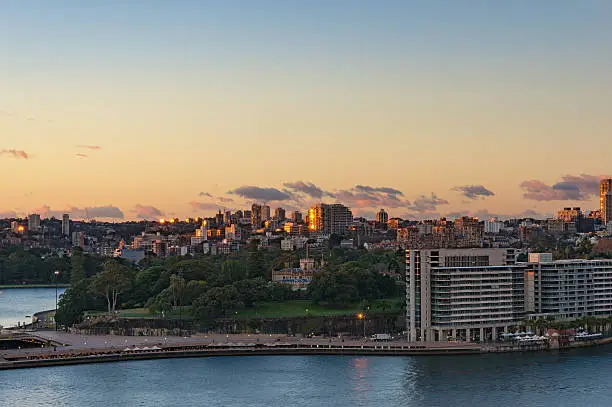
61	348
67	348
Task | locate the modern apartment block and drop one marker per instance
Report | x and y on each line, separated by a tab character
34	222
605	200
566	289
329	219
463	293
66	224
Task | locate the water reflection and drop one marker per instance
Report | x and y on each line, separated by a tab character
577	378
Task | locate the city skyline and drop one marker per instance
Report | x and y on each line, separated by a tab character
424	110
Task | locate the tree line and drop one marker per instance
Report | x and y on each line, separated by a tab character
212	287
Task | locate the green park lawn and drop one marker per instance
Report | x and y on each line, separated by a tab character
287	309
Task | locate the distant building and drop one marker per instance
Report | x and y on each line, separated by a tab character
329	219
608	209
297	278
382	216
294	243
34	222
66	224
605	200
293	228
570	214
297	217
131	255
493	226
279	214
256	216
78	239
265	212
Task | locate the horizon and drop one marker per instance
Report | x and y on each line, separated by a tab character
426	110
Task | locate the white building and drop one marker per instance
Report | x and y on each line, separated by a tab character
462	293
493	226
567	289
34	222
66	224
294	243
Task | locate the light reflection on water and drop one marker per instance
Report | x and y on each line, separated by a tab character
576	378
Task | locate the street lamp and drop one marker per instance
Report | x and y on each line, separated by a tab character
57	273
361	317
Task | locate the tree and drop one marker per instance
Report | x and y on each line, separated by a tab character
111	282
233	270
216	302
256	263
72	304
77	266
177	287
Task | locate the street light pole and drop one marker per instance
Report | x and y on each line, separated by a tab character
55	315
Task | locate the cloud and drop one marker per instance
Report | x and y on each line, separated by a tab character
205	194
81	155
307	188
474	191
362	196
204	206
571	188
15	153
383	190
427	203
224	199
7	215
105	212
261	194
484	214
147	212
89	147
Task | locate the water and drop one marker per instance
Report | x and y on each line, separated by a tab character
16	303
577	378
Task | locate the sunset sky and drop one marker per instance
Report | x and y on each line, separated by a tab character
425	108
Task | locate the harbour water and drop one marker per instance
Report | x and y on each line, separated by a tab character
17	303
576	378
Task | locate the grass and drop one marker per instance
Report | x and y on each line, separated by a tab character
303	308
287	309
6	286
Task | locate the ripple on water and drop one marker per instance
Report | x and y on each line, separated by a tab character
577	378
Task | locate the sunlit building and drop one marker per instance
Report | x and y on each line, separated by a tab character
605	200
382	216
329	219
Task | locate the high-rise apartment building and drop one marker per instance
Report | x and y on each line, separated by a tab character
256	216
296	216
279	214
34	222
607	217
66	224
265	212
382	216
329	219
605	188
566	289
78	239
462	293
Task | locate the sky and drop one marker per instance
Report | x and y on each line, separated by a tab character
142	109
